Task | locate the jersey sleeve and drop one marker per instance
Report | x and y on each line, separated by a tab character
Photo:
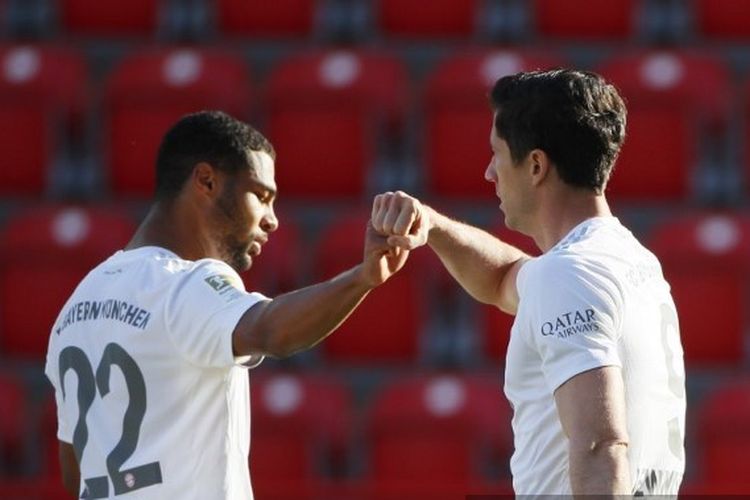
202	310
575	316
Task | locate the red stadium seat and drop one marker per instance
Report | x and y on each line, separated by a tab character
261	18
45	252
582	19
746	134
685	93
726	19
13	420
23	488
278	268
327	111
497	324
43	97
108	19
386	327
301	426
459	118
725	437
149	91
437	18
438	428
707	258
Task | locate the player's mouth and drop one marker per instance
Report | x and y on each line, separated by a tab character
255	249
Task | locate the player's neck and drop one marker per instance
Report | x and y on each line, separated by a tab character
173	228
559	218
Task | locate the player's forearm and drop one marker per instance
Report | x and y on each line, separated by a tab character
600	470
298	320
475	258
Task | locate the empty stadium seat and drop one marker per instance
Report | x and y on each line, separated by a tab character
437	18
706	260
459	118
149	91
45	252
433	432
109	19
581	19
745	133
686	94
43	91
301	425
13	420
261	18
725	437
387	326
327	114
722	19
496	324
278	268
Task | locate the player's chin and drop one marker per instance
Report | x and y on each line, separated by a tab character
241	262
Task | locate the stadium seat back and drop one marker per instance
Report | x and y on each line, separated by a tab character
581	19
437	18
724	434
46	252
722	19
107	19
42	93
437	428
687	94
261	18
707	256
150	91
301	424
13	421
459	118
328	112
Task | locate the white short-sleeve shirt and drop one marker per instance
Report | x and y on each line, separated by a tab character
147	387
598	298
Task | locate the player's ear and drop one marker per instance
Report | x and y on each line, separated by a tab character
205	179
539	166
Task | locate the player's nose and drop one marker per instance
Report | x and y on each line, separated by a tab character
270	222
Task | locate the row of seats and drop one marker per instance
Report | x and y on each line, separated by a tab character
572	19
335	115
45	251
419	432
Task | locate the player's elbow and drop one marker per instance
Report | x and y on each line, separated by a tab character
611	444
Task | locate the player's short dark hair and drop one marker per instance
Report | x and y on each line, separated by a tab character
575	117
208	136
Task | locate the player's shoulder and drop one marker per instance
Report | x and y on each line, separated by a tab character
569	268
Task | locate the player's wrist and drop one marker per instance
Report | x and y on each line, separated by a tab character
362	279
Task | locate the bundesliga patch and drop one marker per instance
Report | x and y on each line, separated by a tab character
225	285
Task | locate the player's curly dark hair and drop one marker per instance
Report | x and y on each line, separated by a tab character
576	117
207	136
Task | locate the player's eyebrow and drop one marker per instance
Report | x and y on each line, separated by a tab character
265	187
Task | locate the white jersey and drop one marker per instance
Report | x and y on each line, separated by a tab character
147	388
597	298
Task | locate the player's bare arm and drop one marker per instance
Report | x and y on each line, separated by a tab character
298	320
482	264
71	474
591	407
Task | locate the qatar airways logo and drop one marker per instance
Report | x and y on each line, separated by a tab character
571	323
